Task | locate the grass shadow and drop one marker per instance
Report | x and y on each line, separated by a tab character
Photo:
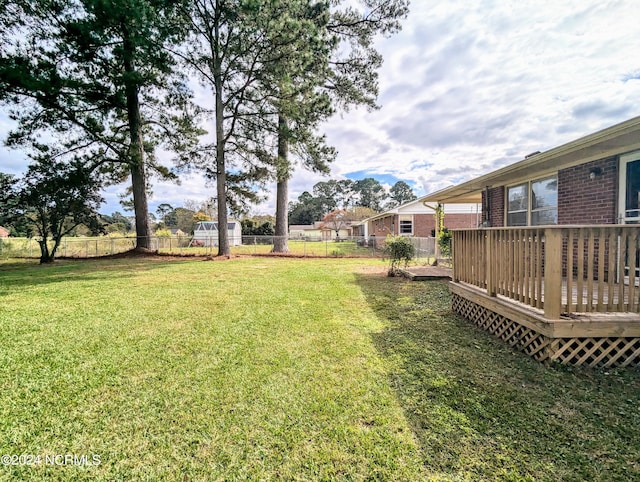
483	411
26	273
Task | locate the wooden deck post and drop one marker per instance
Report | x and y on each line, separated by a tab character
454	257
552	273
490	260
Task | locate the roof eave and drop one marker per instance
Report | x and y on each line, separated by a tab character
615	140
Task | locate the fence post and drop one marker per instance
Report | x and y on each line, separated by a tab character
552	273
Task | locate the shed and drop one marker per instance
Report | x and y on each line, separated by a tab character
205	233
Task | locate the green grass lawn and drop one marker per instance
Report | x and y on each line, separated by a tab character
87	247
285	369
328	248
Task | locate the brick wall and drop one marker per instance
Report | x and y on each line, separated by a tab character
383	227
496	206
423	224
582	200
461	221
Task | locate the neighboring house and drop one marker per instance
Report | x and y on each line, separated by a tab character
318	231
205	233
417	219
4	232
359	228
305	231
555	271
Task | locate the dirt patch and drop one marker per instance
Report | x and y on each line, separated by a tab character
137	254
374	270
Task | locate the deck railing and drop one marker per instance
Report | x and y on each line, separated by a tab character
573	269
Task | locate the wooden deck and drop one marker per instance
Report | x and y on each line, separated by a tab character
528	264
591	339
558	293
587	299
568	325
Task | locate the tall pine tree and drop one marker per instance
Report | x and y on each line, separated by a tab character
250	54
349	78
96	75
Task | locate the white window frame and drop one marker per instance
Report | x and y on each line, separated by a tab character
622	188
527	187
529	210
407	218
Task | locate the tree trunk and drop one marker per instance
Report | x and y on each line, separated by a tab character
56	244
221	184
221	168
43	229
136	152
45	256
140	206
280	241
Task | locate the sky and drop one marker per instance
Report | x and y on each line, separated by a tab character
467	87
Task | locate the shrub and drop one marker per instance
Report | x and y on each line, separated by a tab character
163	233
399	249
444	243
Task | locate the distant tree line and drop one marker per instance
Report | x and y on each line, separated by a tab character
368	194
99	88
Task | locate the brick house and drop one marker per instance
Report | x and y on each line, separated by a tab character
4	232
593	180
555	268
417	219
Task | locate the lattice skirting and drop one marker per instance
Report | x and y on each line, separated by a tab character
605	352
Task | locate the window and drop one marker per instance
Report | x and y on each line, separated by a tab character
518	197
406	224
544	202
533	203
629	182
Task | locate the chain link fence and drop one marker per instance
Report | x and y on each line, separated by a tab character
91	247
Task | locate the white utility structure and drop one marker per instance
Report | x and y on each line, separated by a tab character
205	233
